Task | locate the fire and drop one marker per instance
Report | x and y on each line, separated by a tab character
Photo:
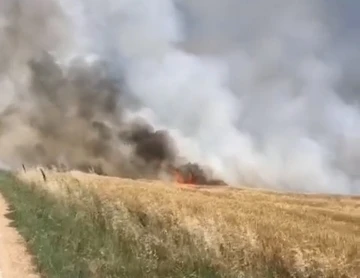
178	177
183	178
191	173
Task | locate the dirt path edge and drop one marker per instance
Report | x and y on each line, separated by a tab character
15	261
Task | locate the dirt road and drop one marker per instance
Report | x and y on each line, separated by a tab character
15	261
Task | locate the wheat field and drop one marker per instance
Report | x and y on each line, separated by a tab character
240	231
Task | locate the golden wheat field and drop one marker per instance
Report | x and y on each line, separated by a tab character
237	229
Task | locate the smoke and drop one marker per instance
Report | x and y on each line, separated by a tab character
260	92
67	112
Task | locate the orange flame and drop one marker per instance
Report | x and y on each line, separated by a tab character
192	175
185	179
178	177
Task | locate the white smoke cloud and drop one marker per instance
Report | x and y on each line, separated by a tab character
245	86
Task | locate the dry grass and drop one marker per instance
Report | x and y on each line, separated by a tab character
240	231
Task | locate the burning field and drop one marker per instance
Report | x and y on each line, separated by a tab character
79	114
118	102
74	119
159	93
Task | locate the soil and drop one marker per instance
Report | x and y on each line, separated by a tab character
15	261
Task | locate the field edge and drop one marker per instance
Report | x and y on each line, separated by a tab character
69	242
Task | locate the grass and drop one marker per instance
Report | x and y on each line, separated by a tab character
84	225
77	240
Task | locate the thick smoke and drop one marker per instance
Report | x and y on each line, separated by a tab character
69	115
257	91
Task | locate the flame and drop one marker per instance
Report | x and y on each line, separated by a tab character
182	178
192	174
178	177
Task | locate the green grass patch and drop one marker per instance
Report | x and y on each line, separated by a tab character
71	241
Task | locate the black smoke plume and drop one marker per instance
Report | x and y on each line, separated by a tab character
77	117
